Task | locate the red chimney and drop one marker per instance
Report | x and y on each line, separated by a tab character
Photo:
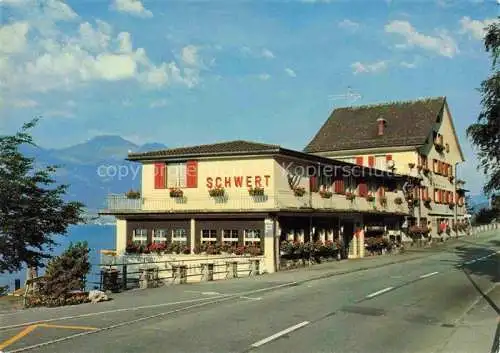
381	125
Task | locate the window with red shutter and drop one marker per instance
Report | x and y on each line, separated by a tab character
363	189
371	161
160	175
388	157
192	174
359	160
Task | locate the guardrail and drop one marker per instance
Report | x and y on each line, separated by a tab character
485	228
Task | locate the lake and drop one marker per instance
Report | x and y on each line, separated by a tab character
97	237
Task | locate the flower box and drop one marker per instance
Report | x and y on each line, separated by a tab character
176	192
451	205
325	194
299	191
132	194
216	192
350	196
398	201
370	198
439	147
256	191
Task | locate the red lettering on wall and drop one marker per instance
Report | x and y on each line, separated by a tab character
267	179
218	182
227	182
209	182
257	181
249	181
238	181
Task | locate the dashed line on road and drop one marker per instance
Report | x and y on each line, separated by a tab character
470	262
382	291
429	275
280	334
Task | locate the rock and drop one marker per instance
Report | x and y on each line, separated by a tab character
96	296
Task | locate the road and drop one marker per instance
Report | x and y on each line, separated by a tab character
441	300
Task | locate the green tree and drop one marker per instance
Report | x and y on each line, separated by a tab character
485	133
32	208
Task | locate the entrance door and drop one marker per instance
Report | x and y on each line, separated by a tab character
347	237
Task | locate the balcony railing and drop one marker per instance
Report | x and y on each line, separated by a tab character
284	199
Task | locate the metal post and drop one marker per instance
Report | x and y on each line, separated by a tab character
124	277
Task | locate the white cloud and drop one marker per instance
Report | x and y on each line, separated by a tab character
264	77
475	28
71	103
378	66
158	103
441	44
133	7
13	37
24	103
189	55
266	53
408	65
290	72
349	25
55	58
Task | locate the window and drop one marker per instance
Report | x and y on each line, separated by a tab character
251	236
176	175
179	235
140	236
230	237
209	236
159	235
380	162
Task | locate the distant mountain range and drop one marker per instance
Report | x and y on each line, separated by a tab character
94	168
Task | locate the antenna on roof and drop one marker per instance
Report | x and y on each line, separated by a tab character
351	95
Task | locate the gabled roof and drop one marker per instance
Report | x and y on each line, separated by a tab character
408	123
237	147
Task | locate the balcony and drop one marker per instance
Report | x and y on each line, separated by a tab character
283	199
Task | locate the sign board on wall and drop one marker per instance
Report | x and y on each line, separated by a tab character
269	228
240	181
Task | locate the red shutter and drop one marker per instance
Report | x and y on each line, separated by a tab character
371	161
313	184
363	189
339	186
359	160
160	175
381	191
388	157
192	174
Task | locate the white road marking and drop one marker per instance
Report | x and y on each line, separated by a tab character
210	293
249	298
379	292
479	259
429	274
279	334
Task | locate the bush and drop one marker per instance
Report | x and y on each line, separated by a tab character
66	273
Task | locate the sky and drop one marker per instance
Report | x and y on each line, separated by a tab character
191	72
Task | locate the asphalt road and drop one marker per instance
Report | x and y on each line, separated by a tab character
441	300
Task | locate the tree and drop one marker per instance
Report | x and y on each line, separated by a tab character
31	206
485	133
484	216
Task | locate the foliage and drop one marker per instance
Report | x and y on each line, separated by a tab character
3	290
299	191
132	194
398	201
325	194
31	211
484	216
485	131
176	192
377	244
216	192
67	272
308	250
418	231
256	191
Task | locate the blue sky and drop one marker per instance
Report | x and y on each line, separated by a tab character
189	72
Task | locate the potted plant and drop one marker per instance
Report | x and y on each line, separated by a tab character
157	248
383	201
176	192
451	178
216	192
325	194
370	198
132	194
299	191
452	205
419	168
411	165
439	146
350	196
398	201
426	170
256	191
427	201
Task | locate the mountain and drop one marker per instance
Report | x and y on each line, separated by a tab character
94	168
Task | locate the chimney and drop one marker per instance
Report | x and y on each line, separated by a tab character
381	126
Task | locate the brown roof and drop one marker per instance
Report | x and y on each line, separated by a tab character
226	148
407	124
